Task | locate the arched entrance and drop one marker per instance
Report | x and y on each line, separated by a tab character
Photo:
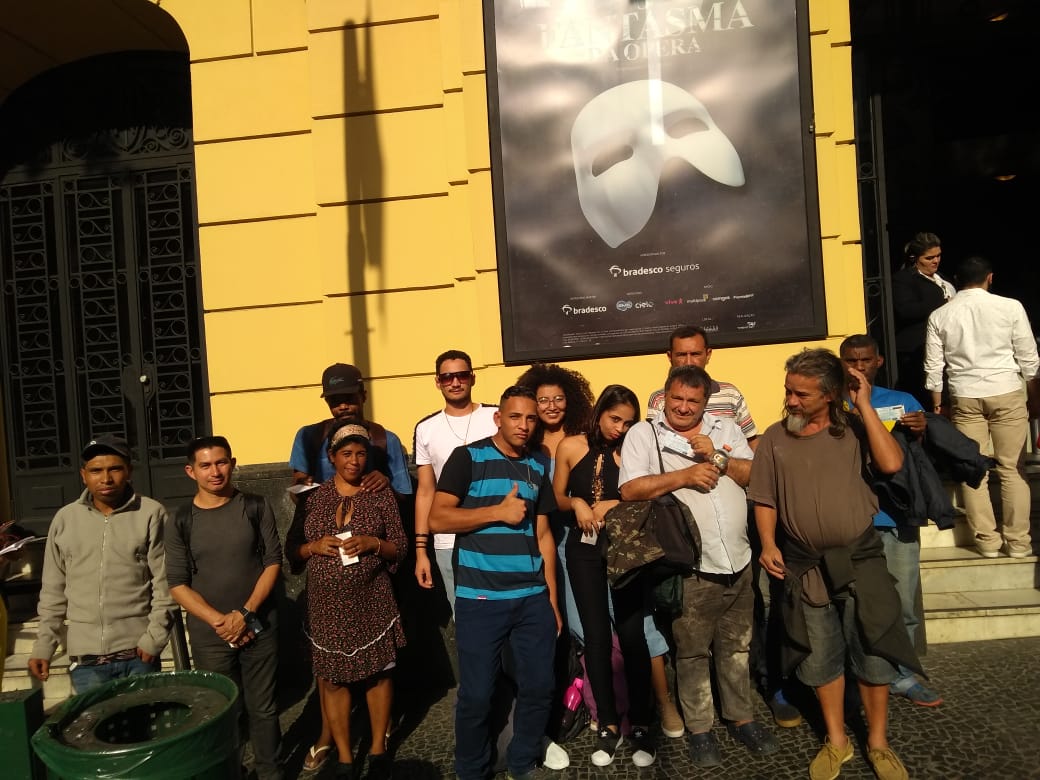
99	286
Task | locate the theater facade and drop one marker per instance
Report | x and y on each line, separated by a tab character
203	204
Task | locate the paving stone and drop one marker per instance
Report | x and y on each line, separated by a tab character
988	727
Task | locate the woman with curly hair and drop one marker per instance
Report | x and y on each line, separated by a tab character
564	404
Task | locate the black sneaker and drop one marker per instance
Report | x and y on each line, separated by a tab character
606	746
704	750
643	751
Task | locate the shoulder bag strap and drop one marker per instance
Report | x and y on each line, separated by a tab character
657	446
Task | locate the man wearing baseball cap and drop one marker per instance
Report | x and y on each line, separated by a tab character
344	391
104	571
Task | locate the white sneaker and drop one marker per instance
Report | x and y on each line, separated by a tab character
556	757
607	743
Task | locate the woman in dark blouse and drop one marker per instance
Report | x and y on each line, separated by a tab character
350	540
917	291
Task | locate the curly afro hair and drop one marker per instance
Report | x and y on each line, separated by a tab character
575	387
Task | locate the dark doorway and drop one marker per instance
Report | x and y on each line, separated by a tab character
99	284
947	137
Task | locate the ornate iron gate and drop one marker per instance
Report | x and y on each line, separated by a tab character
101	312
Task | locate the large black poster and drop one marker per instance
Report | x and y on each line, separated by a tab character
653	165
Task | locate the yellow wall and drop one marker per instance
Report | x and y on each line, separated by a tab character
345	210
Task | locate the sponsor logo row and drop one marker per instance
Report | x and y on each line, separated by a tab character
624	305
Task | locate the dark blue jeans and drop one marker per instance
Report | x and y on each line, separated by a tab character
482	628
85	678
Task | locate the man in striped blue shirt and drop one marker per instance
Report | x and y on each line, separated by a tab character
496	496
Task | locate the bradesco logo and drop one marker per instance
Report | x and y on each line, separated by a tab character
652	270
569	310
627	305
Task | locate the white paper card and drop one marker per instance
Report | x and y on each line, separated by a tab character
347	560
891	413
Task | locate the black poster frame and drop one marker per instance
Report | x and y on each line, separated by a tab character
518	322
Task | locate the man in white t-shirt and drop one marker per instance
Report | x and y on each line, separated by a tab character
461	421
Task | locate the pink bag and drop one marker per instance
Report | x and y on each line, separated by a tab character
617	663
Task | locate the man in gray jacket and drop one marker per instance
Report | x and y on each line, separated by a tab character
104	571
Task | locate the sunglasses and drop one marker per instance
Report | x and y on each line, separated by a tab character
450	376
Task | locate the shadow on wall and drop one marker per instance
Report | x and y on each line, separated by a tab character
427	659
364	180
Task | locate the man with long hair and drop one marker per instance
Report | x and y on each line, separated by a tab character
808	480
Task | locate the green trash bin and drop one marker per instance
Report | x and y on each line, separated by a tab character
167	726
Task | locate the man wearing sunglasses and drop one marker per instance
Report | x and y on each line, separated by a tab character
461	421
344	391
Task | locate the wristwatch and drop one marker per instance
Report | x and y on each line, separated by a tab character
246	614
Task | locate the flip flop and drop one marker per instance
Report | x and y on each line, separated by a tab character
315	757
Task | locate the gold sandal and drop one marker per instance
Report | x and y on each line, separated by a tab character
314	760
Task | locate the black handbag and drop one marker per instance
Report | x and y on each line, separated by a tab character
658	537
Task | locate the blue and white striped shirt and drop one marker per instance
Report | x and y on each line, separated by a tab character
498	561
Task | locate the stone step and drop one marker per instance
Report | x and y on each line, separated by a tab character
958	536
58	686
21	637
982	614
958	569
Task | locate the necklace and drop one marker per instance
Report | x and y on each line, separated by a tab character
464	438
597	480
529	479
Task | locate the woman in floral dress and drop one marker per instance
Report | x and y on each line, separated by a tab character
350	541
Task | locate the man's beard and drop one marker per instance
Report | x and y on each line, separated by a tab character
794	423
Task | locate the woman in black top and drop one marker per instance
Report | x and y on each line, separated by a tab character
917	291
586	482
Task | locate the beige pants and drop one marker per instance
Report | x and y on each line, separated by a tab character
1003	420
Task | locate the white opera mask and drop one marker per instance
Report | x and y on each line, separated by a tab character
621	141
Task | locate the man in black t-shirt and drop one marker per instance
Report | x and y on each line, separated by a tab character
223	560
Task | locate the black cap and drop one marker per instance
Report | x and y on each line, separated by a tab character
106	444
340	379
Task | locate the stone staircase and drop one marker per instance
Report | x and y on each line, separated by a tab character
20	639
21	635
968	597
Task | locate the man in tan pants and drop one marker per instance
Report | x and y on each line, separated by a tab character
988	349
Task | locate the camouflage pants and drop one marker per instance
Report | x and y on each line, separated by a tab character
718	612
